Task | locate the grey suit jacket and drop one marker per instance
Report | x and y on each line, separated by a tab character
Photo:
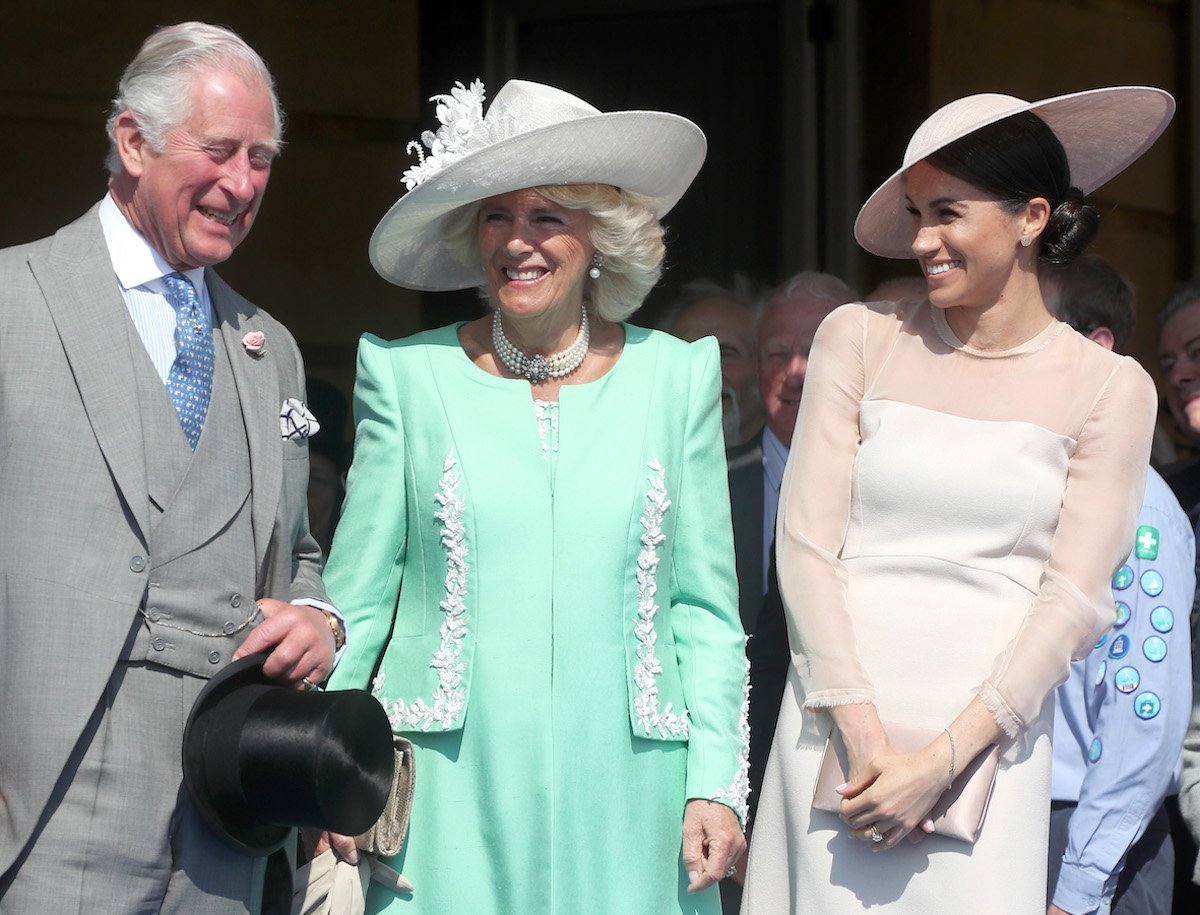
74	498
744	463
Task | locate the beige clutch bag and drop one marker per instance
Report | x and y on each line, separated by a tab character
386	837
959	812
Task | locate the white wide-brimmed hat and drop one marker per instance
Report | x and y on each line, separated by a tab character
533	135
1102	131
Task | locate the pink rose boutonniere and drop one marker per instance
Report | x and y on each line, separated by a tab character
255	342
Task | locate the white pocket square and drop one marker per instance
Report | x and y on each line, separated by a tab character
295	422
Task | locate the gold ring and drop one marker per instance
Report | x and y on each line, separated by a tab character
308	684
876	835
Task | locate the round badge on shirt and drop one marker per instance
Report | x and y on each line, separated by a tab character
1127	679
1162	619
1154	648
1146	705
1122	614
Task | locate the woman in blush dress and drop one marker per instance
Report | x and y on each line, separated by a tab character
964	480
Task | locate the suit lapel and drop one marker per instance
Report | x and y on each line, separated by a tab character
80	290
257	383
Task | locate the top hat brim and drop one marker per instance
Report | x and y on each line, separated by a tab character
250	837
652	153
1103	131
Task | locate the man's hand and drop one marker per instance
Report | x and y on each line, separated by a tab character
298	639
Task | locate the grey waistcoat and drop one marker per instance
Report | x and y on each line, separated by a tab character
199	602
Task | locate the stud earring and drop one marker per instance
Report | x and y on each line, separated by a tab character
1026	241
597	263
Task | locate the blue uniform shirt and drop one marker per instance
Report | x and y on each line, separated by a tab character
1120	718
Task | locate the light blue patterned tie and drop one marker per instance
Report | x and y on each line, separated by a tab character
190	380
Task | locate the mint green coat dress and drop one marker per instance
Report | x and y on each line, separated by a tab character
552	620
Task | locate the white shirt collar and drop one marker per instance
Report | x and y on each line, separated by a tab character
134	260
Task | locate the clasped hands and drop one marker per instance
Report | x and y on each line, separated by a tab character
890	794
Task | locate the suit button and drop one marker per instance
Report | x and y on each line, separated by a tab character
214	657
155	614
137	564
158	643
229	629
235	601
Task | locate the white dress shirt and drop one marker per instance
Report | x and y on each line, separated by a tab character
140	270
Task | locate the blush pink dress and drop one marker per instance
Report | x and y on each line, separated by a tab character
949	523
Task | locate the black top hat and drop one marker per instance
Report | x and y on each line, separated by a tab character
260	758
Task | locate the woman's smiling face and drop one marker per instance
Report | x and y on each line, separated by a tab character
964	240
535	253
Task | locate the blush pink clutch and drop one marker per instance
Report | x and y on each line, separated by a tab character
959	812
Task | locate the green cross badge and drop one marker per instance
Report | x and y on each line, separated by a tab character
1146	542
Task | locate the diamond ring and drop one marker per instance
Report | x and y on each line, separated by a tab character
876	835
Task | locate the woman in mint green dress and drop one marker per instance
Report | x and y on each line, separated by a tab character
535	559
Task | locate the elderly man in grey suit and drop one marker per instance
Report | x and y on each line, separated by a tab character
153	469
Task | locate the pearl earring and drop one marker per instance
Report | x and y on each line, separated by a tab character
597	263
1026	241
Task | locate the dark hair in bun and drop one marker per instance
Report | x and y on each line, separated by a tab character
1071	228
1019	158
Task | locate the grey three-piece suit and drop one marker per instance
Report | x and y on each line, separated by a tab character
129	567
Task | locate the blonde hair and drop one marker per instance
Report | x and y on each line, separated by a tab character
622	227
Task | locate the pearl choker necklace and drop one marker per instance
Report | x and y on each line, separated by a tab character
537	368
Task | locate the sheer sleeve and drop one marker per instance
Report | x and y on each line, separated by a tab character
814	510
1074	605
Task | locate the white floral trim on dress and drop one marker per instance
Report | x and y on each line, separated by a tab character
670	725
449	697
737	794
546	412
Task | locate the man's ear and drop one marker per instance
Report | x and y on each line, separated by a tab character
1103	336
130	143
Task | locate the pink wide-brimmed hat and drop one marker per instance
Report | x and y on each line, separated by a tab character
1102	131
532	136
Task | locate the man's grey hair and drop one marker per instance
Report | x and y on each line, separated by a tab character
742	290
823	286
156	86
